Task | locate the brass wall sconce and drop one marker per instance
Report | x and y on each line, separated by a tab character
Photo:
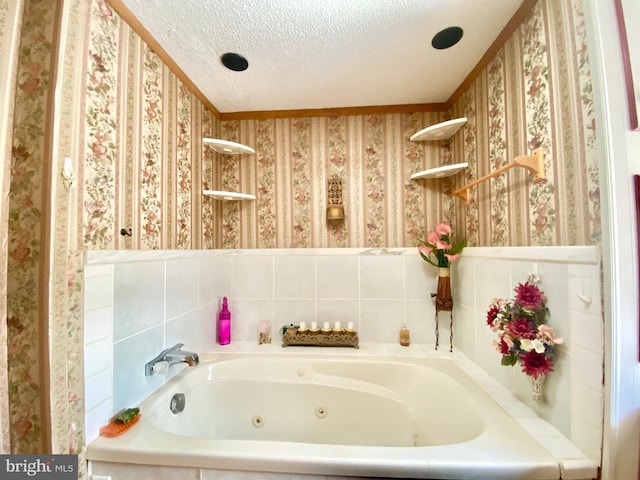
335	207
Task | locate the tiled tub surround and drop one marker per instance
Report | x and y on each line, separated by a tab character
376	289
420	390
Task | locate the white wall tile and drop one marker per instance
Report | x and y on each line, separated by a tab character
98	324
557	393
381	320
382	276
207	327
587	331
585	296
587	438
465	323
295	277
97	388
186	329
98	270
138	297
292	311
419	316
252	277
463	287
98	356
341	310
586	367
225	274
420	278
337	276
488	358
98	292
181	287
130	386
96	418
554	283
246	315
209	280
587	404
491	281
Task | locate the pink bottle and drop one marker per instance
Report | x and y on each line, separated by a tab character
224	324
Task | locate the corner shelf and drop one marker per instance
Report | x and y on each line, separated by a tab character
222	195
226	147
440	172
439	131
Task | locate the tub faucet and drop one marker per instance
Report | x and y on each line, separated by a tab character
171	356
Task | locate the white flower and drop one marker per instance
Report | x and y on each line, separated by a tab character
528	345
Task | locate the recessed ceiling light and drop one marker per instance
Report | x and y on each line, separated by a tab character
234	62
446	38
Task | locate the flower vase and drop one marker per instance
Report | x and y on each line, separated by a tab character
444	302
536	388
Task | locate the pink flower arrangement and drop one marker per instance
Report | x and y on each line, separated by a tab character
438	250
523	337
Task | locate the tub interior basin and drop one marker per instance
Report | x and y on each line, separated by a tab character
320	402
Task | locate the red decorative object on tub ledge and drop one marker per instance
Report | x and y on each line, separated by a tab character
523	335
439	250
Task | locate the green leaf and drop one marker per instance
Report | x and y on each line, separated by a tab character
458	246
427	259
508	360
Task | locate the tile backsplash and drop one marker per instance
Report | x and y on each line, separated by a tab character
138	303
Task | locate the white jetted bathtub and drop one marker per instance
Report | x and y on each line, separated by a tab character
331	415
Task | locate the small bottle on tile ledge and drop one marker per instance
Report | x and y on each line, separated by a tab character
224	324
405	337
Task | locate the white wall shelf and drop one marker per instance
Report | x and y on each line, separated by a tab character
440	172
439	131
226	147
222	195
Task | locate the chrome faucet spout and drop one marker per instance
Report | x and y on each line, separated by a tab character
171	356
182	356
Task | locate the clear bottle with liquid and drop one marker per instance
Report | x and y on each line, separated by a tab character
405	336
224	324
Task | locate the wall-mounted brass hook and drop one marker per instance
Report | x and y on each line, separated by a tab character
125	232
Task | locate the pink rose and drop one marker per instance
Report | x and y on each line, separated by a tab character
547	334
424	250
432	238
443	229
451	258
440	245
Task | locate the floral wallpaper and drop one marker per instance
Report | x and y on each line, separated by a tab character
24	303
10	29
134	140
142	152
536	92
295	157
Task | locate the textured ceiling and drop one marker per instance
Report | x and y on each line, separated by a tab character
306	54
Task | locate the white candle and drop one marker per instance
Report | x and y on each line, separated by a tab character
349	325
303	325
314	325
338	326
327	325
